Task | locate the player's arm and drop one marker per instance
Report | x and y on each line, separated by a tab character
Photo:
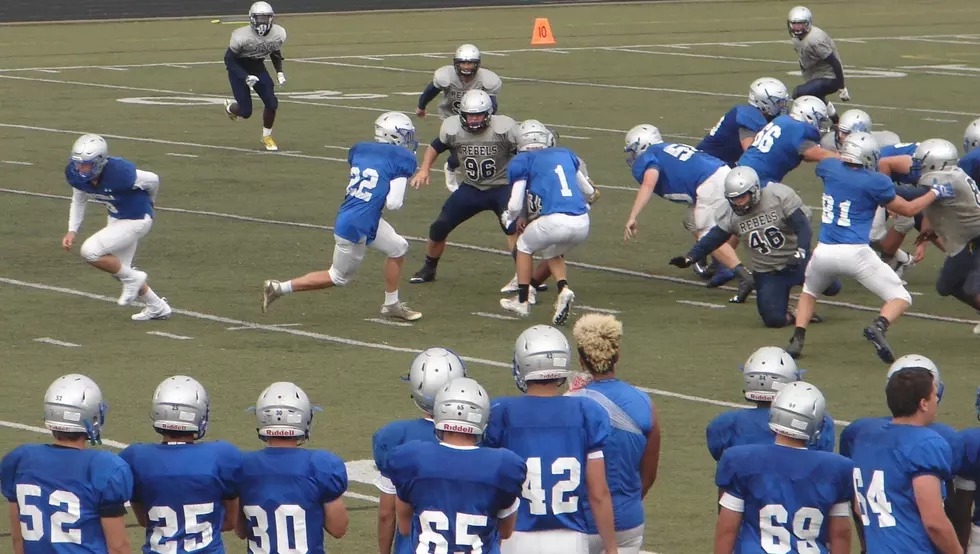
15	532
707	244
507	519
835	64
895	165
386	522
76	214
277	58
816	153
961	508
404	515
148	181
435	148
928	234
428	95
241	526
516	203
839	528
804	237
726	529
140	512
116	538
396	193
600	501
650	461
335	518
234	66
928	499
650	177
926	196
232	507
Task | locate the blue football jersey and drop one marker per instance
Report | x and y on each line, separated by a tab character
724	140
555	436
682	169
181	486
457	494
970	163
887	457
385	440
283	491
969	466
851	195
902	149
373	165
777	487
776	149
552	187
116	189
62	494
751	426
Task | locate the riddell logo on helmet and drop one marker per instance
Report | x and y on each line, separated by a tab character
173	426
458	428
279	432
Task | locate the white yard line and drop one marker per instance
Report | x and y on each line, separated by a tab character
491	315
388	322
169	335
579	307
13	162
702	304
56	342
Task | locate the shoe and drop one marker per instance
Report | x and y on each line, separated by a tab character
451	183
532	297
270	291
722	276
563	304
522	309
149	313
230	115
131	287
976	330
400	310
270	144
876	334
795	346
705	270
510	287
901	268
424	275
814	318
745	288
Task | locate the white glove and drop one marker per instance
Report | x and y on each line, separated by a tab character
844	95
282	78
251	80
505	220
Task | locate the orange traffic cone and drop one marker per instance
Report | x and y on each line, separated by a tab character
541	34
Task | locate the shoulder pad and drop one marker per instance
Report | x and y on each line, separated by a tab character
501	124
452	126
491	81
444	76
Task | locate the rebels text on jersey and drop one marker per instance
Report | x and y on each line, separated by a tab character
724	140
551	181
116	188
778	148
681	170
851	195
373	166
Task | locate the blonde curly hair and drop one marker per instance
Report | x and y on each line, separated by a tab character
598	337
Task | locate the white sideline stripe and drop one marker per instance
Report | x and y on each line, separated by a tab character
607	269
182	155
168	335
56	342
702	304
388	322
12	162
594	309
247	327
494	316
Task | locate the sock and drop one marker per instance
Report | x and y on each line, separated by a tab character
124	273
266	132
562	284
882	322
431	262
523	291
902	257
535	283
799	333
151	299
391	298
286	288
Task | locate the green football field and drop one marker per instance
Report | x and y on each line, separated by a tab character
231	215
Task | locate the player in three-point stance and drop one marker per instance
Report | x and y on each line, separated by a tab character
245	61
129	194
289	495
63	497
379	173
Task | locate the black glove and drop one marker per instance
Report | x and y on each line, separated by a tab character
681	261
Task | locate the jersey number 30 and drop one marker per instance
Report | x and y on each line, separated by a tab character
290	522
535	494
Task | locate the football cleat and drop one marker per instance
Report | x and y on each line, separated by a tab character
400	310
901	268
532	297
876	334
149	314
745	288
510	287
522	309
563	305
270	291
814	318
451	182
424	275
230	115
976	329
131	287
703	269
795	347
270	144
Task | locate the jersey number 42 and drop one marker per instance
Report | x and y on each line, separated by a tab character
533	492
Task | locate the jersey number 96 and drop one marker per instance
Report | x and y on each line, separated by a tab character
479	169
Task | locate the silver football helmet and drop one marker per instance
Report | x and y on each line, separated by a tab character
73	404
395	128
766	372
769	95
462	406
180	405
430	372
860	149
466	53
853	121
971	138
475	102
799	21
533	135
935	155
812	110
541	353
89	149
283	410
798	411
638	139
261	17
740	181
910	361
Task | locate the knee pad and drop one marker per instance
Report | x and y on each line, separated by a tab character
440	229
834	288
338	278
401	250
92	250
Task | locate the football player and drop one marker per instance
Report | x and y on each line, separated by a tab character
129	195
456	496
852	192
452	81
429	373
562	441
64	498
484	143
379	172
632	452
788	140
185	493
970	161
964	517
767	371
734	132
683	174
781	497
557	213
245	61
900	465
819	60
775	224
289	495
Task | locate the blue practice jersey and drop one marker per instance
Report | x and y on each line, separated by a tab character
751	426
970	163
968	472
724	140
62	494
181	486
776	487
851	195
555	436
887	457
631	419
373	165
552	186
952	437
682	169
457	494
902	149
384	442
778	148
283	491
116	188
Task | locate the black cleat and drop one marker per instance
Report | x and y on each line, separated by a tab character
745	288
424	275
795	347
876	334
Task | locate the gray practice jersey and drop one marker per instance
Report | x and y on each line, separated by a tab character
769	236
246	43
883	138
447	80
812	51
956	220
483	155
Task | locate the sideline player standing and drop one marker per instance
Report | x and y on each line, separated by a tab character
819	60
245	60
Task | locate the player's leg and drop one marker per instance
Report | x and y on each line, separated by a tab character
823	269
628	540
891	245
772	299
533	239
568	231
460	206
156	307
242	105
101	251
394	246
877	277
265	88
710	199
820	88
347	256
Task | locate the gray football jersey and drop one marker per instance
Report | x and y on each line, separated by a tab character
246	43
812	51
956	220
453	88
770	238
483	156
883	138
